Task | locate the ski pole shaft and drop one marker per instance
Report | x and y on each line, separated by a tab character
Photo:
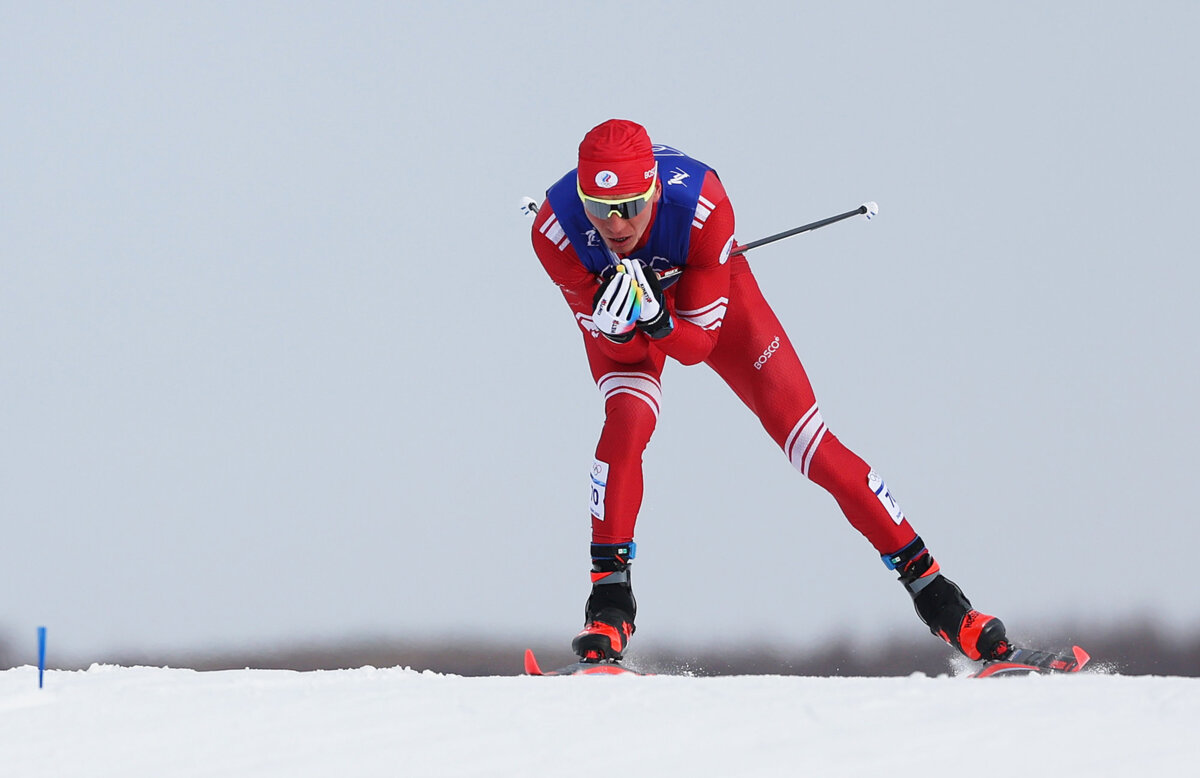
870	209
41	633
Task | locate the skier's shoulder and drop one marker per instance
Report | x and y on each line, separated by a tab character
547	231
712	191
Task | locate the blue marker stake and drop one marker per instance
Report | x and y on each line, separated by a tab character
41	655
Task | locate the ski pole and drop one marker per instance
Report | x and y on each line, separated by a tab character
41	633
871	209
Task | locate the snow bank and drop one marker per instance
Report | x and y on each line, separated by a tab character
132	722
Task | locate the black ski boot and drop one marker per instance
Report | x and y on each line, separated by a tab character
611	608
944	608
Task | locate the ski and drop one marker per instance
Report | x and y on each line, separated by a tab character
1022	661
1029	661
578	668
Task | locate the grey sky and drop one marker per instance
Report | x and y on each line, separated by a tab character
277	360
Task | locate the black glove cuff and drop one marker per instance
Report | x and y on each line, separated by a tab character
660	326
624	337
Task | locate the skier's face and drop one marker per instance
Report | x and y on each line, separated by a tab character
621	234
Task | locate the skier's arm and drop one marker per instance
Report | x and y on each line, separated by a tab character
698	300
578	286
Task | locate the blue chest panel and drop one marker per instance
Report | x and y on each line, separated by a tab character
670	235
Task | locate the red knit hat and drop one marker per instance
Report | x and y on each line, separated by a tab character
615	159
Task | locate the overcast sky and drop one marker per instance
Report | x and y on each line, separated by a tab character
277	361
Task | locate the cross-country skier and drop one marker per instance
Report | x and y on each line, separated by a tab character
638	238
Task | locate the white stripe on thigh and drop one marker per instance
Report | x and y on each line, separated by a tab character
643	386
804	439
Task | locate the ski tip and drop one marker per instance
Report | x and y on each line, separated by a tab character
1081	657
531	664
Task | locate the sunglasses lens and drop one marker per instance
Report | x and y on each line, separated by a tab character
602	210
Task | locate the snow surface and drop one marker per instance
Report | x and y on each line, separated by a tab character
132	722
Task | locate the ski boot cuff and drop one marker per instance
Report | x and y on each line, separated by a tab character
915	565
610	563
614	554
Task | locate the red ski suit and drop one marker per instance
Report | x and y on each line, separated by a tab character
722	320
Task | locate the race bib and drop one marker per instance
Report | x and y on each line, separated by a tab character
885	497
599	483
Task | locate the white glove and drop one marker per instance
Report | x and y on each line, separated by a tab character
654	319
618	306
651	305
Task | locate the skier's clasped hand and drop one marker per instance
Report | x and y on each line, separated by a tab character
654	318
618	306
